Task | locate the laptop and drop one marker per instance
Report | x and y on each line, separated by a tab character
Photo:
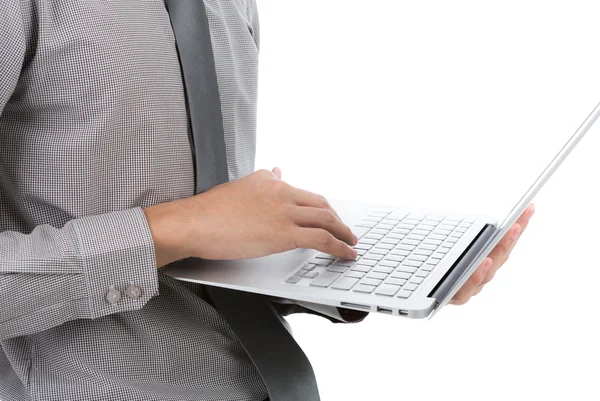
410	261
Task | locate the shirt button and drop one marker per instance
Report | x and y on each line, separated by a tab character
133	292
113	296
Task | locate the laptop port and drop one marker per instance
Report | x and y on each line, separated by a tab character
403	312
384	310
355	306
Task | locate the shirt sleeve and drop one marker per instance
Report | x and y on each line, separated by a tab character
85	269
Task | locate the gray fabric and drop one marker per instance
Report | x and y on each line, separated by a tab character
92	128
284	368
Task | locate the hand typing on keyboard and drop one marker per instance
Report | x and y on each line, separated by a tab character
485	273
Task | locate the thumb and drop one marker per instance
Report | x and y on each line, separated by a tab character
277	172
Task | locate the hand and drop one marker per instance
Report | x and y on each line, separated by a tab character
486	271
254	216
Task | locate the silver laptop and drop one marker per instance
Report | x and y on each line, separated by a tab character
410	262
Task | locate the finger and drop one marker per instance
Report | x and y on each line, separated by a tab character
322	240
277	172
478	290
523	221
324	218
502	250
466	292
309	199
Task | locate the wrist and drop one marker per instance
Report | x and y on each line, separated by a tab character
168	227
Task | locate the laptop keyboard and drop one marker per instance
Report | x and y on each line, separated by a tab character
396	253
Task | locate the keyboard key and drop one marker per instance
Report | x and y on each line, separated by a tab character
438	237
293	280
443	249
376	219
392	241
383	226
411	242
433	262
379	251
431	222
383	269
410	287
428	247
400	275
391	221
405	226
325	279
396	236
363	246
377	231
412	263
373	256
415	237
354	274
406	269
364	288
395	258
321	262
341	262
431	241
370	281
424	252
414	222
365	224
420	231
359	231
416	280
384	246
460	230
311	274
308	267
368	241
337	269
366	262
401	231
388	263
360	252
395	281
438	255
387	290
439	231
452	240
326	256
406	247
379	276
404	294
428	267
345	283
422	273
420	258
361	268
374	236
400	252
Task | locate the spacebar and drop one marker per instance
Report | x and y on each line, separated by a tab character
325	279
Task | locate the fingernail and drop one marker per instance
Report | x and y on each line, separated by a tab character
354	254
488	264
355	239
531	212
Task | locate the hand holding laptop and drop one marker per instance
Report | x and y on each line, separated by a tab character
486	271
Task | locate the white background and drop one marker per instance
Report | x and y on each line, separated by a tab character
455	105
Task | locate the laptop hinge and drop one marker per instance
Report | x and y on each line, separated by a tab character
444	286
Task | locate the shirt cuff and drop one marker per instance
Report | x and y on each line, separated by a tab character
117	253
